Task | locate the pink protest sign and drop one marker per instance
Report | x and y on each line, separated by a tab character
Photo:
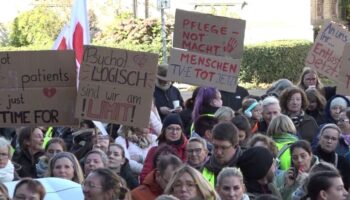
200	69
326	54
209	34
116	85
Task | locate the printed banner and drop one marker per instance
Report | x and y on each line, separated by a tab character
209	34
38	88
199	69
116	86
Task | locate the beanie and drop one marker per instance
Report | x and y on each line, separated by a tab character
172	119
255	163
339	101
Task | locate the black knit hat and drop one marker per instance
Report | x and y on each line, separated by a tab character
172	119
255	162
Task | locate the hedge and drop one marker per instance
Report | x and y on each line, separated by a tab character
270	61
262	63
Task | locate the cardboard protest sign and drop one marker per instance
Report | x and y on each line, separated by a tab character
199	69
325	55
209	34
116	85
343	86
38	88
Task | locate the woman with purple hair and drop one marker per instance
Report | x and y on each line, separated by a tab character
208	100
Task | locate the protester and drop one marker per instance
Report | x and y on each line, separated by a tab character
30	150
310	79
230	184
317	105
244	129
208	101
294	102
187	183
137	142
29	188
343	123
301	191
334	107
326	185
197	153
271	108
156	181
53	147
7	168
165	94
95	159
186	114
166	197
203	129
65	165
155	122
283	132
258	168
224	114
172	134
325	150
302	161
260	140
252	109
277	88
120	165
234	99
226	151
104	184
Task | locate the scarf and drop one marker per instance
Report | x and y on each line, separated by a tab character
7	173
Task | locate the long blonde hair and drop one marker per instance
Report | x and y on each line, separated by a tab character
203	185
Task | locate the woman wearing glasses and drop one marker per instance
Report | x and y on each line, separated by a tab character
172	134
325	150
188	183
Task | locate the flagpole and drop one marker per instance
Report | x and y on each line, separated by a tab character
165	59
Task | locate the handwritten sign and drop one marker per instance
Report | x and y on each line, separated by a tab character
116	85
38	88
199	69
325	55
343	86
209	34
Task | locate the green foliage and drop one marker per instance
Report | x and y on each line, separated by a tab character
3	35
345	4
39	26
135	34
270	61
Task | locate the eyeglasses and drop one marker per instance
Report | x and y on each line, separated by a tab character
195	151
326	137
173	129
188	185
90	185
223	148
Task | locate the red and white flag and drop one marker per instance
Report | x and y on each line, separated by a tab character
77	33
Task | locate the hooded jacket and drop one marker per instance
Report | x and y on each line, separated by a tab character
212	167
327	111
149	189
281	140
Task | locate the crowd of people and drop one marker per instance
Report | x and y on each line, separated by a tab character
292	143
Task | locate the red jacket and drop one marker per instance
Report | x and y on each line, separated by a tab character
148	190
148	164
